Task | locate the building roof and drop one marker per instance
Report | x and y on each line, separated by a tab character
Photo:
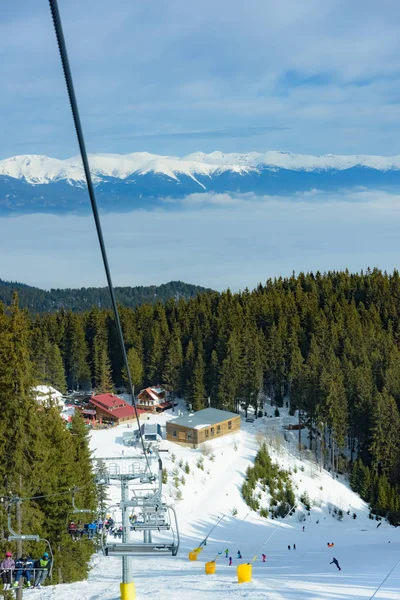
153	392
203	418
45	392
113	405
151	428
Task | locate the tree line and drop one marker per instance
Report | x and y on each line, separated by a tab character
54	300
327	344
42	459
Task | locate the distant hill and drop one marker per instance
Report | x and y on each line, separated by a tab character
41	301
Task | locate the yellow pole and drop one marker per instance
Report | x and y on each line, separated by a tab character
127	591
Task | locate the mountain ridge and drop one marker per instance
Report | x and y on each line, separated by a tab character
141	181
37	300
41	169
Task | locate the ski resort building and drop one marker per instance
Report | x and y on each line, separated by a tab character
112	409
47	395
202	426
153	399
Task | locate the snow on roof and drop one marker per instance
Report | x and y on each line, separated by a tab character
203	418
44	392
158	389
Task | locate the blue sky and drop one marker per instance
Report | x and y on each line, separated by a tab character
175	77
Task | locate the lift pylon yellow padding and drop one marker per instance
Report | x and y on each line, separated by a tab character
193	555
127	591
244	573
210	567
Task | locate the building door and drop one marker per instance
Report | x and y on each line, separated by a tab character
181	436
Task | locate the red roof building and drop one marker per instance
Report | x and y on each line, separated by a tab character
110	408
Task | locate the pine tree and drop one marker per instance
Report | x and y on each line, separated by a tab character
173	362
198	390
76	353
55	374
212	377
135	368
230	375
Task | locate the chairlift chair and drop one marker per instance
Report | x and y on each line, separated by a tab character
13	536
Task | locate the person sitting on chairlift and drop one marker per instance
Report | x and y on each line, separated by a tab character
23	566
7	566
43	572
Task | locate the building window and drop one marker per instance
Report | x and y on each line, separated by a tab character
229	424
218	428
212	430
189	435
206	433
174	433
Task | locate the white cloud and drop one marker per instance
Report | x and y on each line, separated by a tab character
326	70
233	242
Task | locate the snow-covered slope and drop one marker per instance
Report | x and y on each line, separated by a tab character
42	169
366	554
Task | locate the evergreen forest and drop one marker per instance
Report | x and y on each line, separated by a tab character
327	345
40	301
42	459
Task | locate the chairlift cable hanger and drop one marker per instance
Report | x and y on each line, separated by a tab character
82	147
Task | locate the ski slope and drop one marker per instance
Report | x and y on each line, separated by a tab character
366	554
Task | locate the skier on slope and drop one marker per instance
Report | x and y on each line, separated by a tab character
239	555
226	553
264	557
230	560
335	562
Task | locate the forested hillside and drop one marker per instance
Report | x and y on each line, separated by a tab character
40	301
41	460
328	344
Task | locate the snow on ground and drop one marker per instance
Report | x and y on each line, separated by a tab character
365	553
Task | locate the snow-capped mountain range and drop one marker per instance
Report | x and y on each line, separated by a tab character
36	169
32	183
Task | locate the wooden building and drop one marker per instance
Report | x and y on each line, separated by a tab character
111	409
202	426
153	399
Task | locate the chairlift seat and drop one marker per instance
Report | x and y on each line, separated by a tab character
132	549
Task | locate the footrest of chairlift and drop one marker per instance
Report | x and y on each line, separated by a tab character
130	549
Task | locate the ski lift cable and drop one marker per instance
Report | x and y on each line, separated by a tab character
238	522
387	577
273	533
69	491
204	542
82	147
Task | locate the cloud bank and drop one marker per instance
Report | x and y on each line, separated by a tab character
217	241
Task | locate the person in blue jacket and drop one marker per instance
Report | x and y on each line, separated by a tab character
91	530
23	568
